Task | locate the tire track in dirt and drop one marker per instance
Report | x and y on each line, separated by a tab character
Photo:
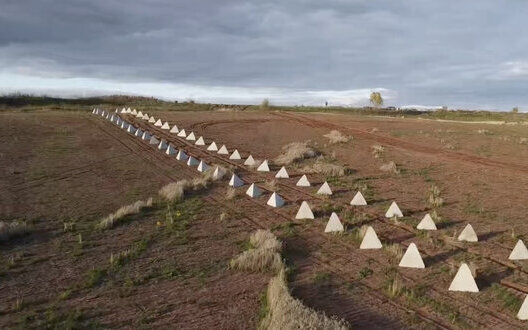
401	144
170	138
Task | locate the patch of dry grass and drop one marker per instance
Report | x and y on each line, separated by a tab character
390	167
113	219
271	185
377	150
175	191
394	249
13	229
295	152
264	255
286	312
336	137
230	193
322	166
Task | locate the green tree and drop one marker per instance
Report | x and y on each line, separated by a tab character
515	110
376	99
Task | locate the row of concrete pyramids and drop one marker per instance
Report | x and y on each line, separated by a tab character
463	280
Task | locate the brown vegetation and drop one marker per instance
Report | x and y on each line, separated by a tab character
295	152
263	256
322	166
336	136
113	219
13	229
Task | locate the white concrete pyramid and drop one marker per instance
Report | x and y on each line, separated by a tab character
152	120
202	167
191	137
275	200
192	161
200	141
427	223
93	111
468	234
124	125
162	145
217	173
146	136
250	161
212	147
253	191
223	150
304	212
412	258
235	155
123	110
282	173
166	126
358	200
118	121
263	167
158	123
116	110
370	240
139	132
334	224
182	133
325	189
112	119
523	311
153	140
393	211
134	112
519	252
129	110
236	181
131	129
107	116
303	182
139	114
464	280
146	117
174	129
171	150
182	155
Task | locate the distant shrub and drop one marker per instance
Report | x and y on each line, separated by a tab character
264	105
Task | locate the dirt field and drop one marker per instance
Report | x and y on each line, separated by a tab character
76	167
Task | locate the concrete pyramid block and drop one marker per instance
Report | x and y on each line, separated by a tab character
134	112
263	167
152	120
523	311
468	234
112	118
303	182
174	129
235	155
253	191
202	167
191	137
463	280
370	240
282	173
162	145
236	181
131	129
139	114
218	173
182	133
139	132
393	211
334	224
192	161
165	126
325	189
182	155
412	258
124	125
304	212
158	123
93	110
200	141
427	223
146	136
118	121
116	110
250	161
123	110
519	252
275	200
129	110
146	117
171	150
212	147
223	150
358	200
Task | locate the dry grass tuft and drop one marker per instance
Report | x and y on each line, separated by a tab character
378	150
336	137
271	184
263	256
322	166
230	193
13	229
434	198
286	312
174	190
394	249
295	152
110	221
390	167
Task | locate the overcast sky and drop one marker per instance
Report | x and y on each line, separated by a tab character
467	54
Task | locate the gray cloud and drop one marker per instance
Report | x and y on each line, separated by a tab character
459	53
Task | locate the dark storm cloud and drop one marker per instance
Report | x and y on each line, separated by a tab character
464	53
